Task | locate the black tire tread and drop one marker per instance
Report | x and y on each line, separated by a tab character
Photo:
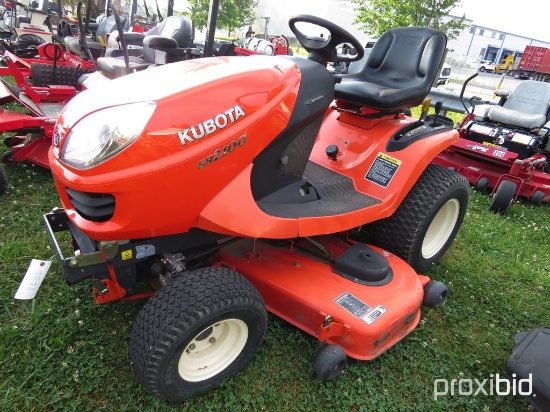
7	158
26	41
435	293
399	233
191	297
330	362
503	196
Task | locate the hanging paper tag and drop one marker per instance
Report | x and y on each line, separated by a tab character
33	279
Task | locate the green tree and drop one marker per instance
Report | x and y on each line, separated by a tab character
232	13
377	16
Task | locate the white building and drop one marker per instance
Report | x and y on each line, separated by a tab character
484	43
474	43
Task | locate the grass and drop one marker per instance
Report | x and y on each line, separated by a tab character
62	352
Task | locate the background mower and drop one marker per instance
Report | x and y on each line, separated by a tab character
506	147
44	100
251	199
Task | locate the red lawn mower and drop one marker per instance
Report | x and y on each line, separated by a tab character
272	46
235	185
33	131
43	86
506	147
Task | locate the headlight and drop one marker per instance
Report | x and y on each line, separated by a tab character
102	134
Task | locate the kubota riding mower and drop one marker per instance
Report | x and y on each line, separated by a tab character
236	184
506	147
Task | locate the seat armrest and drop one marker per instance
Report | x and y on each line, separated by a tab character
502	93
170	46
160	43
132	38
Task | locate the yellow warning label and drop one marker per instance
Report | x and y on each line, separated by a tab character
389	159
383	169
126	254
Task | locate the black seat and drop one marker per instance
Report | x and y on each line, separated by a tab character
73	44
399	72
174	33
174	27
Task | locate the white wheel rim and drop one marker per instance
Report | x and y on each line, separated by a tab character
213	350
441	228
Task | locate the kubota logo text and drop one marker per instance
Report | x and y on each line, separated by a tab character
209	126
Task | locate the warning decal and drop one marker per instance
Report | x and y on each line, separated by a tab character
383	169
126	254
374	314
352	304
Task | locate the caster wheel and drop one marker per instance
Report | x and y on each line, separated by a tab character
481	184
10	141
435	294
503	196
537	197
330	362
7	158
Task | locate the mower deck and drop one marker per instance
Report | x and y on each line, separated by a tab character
363	317
486	167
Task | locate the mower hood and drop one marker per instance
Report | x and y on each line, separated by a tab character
159	83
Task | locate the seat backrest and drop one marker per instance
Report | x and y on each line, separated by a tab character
175	27
107	26
400	70
529	96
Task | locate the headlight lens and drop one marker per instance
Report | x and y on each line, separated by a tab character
102	134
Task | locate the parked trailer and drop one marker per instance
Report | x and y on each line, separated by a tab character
535	64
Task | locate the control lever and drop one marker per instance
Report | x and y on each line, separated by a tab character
437	108
425	108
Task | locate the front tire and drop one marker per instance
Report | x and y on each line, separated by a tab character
427	221
203	327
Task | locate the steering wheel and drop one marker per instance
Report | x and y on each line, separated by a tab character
323	50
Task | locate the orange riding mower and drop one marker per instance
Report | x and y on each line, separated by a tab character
236	186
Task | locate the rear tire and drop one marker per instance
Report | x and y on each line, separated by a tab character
203	327
427	221
503	197
28	41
